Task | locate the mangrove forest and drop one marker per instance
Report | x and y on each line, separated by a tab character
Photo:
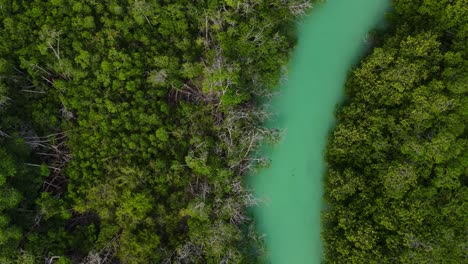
145	131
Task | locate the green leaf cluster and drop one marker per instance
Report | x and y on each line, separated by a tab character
134	116
396	187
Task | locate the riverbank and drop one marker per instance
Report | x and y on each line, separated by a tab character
396	183
330	41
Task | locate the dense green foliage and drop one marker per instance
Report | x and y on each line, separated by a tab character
396	186
126	127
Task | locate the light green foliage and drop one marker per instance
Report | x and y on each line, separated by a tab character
136	111
396	186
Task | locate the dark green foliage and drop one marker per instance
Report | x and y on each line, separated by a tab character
396	187
140	116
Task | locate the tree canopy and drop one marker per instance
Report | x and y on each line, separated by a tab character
396	187
137	120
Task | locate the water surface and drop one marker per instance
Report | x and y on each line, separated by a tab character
331	39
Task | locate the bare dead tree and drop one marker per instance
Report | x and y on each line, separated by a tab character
31	91
53	151
66	114
47	75
249	199
51	260
188	253
3	134
300	9
104	255
141	7
191	93
256	34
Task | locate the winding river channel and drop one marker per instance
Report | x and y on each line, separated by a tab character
331	39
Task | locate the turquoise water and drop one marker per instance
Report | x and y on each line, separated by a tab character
331	39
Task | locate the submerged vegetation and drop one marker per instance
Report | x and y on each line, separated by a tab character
126	127
396	188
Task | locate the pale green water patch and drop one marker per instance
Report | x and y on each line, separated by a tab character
330	41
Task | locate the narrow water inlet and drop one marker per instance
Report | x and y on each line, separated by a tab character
331	39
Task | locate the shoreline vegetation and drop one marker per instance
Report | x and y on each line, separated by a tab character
127	126
396	186
331	41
